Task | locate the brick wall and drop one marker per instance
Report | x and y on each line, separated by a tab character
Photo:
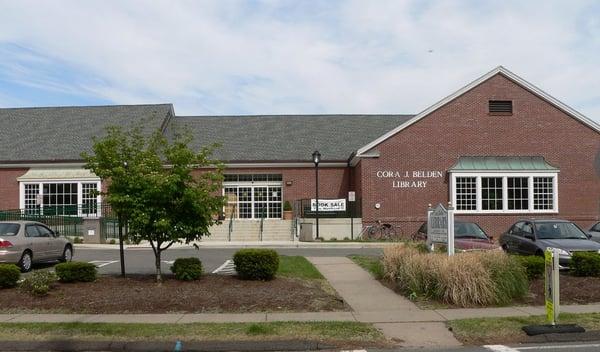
9	187
463	127
333	181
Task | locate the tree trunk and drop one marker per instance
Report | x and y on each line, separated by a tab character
157	257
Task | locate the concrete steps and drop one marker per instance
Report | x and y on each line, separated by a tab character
249	230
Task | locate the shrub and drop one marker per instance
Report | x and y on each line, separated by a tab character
333	239
287	206
39	283
256	264
534	265
112	241
346	238
76	272
465	279
9	275
77	239
585	264
187	269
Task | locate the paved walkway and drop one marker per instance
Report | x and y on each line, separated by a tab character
397	317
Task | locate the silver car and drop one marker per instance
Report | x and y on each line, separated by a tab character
26	242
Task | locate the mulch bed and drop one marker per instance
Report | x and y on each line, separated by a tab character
573	290
211	294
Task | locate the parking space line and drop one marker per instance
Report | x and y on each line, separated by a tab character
170	262
500	348
101	263
227	267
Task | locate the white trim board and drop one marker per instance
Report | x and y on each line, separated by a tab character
500	69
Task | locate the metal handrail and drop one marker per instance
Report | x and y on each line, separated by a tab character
231	224
262	221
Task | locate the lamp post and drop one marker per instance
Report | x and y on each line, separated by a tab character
121	251
316	156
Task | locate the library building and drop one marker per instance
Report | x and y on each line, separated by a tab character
497	150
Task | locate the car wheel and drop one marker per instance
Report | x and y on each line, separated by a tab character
67	254
26	262
505	248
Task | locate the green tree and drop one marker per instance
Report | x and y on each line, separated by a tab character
151	185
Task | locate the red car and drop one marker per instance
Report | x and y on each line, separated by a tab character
467	236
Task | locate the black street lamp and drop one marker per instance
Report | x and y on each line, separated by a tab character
316	156
121	250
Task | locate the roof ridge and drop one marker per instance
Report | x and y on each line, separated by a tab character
81	106
290	115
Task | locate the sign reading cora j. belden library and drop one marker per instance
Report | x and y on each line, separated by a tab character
409	179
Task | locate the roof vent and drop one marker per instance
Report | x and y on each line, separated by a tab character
501	107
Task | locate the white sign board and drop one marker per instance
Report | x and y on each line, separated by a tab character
440	227
328	205
352	196
437	226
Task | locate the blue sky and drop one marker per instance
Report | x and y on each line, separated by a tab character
270	57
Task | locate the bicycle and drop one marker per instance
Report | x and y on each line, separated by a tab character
381	231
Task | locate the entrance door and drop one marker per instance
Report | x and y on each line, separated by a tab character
254	201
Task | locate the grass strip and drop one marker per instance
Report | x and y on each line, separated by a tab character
297	267
371	264
482	331
314	331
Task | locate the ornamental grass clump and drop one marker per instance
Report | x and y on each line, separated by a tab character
465	279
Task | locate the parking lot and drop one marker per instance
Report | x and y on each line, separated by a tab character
141	260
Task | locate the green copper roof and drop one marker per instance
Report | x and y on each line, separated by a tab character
502	163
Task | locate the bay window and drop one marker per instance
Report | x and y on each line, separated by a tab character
55	197
508	192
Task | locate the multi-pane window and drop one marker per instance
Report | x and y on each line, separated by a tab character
60	198
89	204
466	193
518	193
543	193
245	202
275	202
491	193
32	202
509	192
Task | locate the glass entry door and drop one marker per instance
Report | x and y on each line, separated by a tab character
254	201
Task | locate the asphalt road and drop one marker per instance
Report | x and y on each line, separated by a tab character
141	260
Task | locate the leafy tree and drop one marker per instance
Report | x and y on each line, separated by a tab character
151	185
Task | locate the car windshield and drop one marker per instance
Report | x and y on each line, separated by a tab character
468	230
559	230
8	229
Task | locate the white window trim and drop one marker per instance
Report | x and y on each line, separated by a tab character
505	175
79	193
253	184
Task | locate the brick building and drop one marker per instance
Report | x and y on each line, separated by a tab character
498	149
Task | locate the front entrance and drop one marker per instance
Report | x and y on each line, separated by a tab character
253	199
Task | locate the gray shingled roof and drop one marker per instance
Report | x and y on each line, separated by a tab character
62	133
285	137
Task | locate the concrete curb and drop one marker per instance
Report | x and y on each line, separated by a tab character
208	346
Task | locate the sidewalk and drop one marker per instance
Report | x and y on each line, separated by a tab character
246	244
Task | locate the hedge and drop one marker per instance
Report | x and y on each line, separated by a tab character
534	266
9	275
76	272
585	264
187	269
256	264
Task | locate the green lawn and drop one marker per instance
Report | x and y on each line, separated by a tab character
501	330
297	267
371	264
314	331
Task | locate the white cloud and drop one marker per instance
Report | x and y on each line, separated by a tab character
227	57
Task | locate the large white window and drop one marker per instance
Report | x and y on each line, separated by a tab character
510	192
61	197
253	196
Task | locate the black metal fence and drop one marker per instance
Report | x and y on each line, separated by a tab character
302	209
66	225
